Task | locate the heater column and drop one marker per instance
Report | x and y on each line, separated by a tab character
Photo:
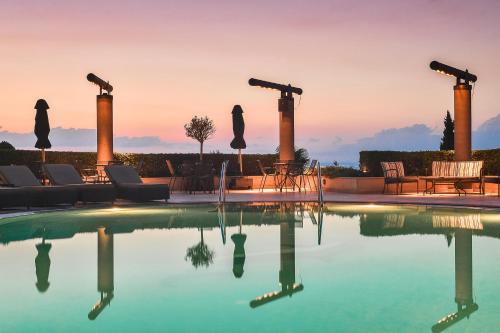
105	280
463	267
104	129
462	92
287	144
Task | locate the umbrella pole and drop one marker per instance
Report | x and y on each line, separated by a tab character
43	155
241	218
240	161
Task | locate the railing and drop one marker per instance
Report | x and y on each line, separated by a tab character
222	182
320	186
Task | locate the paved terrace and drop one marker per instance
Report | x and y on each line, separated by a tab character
471	200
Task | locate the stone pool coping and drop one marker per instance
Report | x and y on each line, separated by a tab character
450	200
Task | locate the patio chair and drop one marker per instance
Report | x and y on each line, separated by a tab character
266	171
187	174
129	185
308	173
66	174
394	173
37	194
173	174
204	177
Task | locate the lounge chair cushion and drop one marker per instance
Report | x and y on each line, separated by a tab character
13	197
121	174
38	195
18	175
66	174
95	192
62	174
51	195
142	192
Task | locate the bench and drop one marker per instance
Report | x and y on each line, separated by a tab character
457	173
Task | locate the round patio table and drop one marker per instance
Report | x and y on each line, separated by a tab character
286	173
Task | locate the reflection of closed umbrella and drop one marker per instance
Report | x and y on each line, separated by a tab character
239	250
238	130
42	127
42	265
239	254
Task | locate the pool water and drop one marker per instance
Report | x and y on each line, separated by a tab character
285	267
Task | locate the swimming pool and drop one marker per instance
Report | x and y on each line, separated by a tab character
274	267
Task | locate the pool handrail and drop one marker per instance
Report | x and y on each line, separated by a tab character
222	182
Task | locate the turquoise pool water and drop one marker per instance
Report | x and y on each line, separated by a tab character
251	268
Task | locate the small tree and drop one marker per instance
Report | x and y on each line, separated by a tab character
200	254
448	140
200	129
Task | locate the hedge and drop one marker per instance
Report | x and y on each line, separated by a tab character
154	164
418	162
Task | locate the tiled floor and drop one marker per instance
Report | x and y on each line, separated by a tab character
472	200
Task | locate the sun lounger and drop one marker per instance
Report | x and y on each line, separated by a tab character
38	195
13	197
66	174
129	185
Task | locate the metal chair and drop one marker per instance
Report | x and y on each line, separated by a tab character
309	173
173	175
266	171
187	173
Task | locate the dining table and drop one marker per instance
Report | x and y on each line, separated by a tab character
286	171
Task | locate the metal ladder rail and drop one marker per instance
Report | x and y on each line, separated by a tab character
320	186
222	182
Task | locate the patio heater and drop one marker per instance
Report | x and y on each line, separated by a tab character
462	113
286	111
104	120
105	271
463	282
287	261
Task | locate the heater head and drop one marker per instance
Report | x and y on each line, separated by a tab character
271	85
452	71
103	85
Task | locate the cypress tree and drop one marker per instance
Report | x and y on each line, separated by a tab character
448	140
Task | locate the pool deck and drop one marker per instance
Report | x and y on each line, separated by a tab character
471	200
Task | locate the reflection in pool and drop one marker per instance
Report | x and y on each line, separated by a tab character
295	266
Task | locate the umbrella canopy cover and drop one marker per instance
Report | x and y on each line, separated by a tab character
238	128
42	127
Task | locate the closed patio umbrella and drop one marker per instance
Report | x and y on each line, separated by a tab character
238	131
42	127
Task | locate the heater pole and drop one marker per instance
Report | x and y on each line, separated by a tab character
462	98
287	131
463	267
104	129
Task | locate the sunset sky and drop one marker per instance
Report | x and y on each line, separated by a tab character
363	65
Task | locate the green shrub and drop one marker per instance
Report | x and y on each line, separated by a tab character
4	145
154	164
339	171
420	162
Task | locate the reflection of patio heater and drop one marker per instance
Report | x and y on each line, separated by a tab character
105	275
286	110
287	265
463	281
462	113
104	120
